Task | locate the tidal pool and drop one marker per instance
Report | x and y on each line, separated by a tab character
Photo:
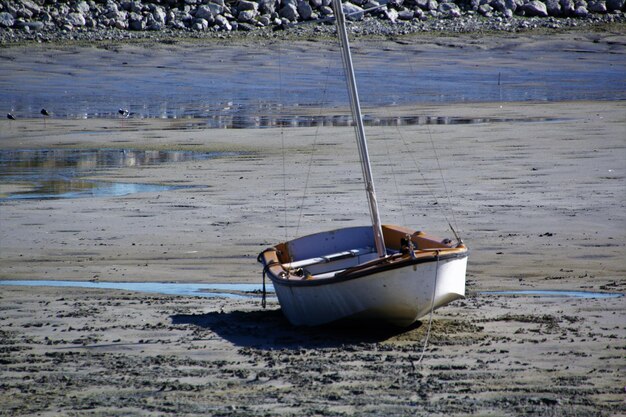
59	173
253	290
555	293
168	288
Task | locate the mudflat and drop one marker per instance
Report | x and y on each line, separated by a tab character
536	190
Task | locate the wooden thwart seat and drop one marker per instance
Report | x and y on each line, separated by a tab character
352	253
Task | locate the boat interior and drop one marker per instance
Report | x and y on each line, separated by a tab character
326	254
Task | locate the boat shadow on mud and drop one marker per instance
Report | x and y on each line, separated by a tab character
269	329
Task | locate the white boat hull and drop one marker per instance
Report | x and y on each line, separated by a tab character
398	296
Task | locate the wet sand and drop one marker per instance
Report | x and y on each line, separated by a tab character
541	205
538	196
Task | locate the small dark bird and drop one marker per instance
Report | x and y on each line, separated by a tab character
10	116
44	112
123	112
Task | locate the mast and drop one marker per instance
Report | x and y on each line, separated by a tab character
358	127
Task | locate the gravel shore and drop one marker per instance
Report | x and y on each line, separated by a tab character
89	21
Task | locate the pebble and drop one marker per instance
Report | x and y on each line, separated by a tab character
56	20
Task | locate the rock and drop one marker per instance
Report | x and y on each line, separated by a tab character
204	12
114	13
247	5
581	11
177	24
371	4
304	10
247	16
485	10
6	20
512	5
75	19
200	24
119	24
29	26
290	12
244	27
449	10
352	11
156	26
393	15
553	7
267	6
24	14
406	14
151	23
615	5
45	17
137	7
597	6
498	5
264	20
82	7
158	14
223	23
218	8
136	22
535	8
567	7
31	6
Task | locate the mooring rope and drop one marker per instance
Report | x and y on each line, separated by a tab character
432	305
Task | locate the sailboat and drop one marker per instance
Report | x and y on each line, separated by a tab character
374	273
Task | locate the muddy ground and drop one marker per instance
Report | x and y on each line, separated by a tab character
90	352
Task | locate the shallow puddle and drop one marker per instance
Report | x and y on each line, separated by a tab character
59	173
338	120
186	289
253	290
555	293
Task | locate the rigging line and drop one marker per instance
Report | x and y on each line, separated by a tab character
417	167
438	167
314	147
393	173
282	138
445	187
